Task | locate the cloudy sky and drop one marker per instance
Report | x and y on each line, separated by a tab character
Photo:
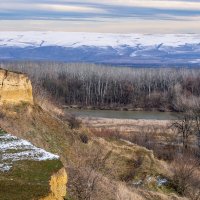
121	16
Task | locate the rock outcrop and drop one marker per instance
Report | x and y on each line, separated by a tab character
58	186
15	88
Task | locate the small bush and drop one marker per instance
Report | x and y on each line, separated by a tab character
186	178
133	166
74	123
150	140
84	138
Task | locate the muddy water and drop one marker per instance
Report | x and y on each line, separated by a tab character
147	115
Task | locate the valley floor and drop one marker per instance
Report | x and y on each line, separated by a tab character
127	125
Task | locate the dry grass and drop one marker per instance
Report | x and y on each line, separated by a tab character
127	193
123	193
106	133
124	125
51	133
38	126
186	177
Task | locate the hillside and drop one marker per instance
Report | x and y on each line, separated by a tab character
110	166
119	49
51	134
26	171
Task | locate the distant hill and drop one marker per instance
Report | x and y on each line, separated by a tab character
148	50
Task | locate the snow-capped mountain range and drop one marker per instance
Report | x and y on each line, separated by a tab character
118	49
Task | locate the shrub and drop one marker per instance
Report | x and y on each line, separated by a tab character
84	138
186	178
74	123
133	166
151	140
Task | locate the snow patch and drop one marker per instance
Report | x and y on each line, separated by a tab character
5	167
13	149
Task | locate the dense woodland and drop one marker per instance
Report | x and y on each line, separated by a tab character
115	87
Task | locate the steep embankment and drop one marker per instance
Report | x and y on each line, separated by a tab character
26	171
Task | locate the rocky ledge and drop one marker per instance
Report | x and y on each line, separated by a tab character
15	88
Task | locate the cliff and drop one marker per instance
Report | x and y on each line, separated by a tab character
26	171
58	186
15	88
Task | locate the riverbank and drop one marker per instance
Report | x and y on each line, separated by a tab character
117	108
131	115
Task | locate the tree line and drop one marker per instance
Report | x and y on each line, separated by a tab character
114	87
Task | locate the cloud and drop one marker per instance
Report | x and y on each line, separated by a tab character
70	8
160	4
93	15
10	6
107	26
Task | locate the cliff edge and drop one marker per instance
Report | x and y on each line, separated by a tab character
15	88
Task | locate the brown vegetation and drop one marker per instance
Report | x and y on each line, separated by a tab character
186	177
110	87
73	122
99	160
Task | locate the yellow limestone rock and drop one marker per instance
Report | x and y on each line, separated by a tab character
58	186
15	88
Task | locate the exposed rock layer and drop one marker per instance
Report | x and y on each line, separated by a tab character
58	186
15	88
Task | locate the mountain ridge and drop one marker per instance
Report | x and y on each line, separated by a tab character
116	49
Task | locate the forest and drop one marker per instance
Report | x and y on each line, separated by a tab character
108	87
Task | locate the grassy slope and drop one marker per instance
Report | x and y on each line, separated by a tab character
27	179
50	133
39	127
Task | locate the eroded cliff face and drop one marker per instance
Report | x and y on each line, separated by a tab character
15	88
58	186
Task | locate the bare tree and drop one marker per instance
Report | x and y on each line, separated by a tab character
104	86
186	177
196	116
87	174
185	128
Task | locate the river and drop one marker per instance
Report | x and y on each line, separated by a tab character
147	115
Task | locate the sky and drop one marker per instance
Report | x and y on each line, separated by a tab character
112	16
